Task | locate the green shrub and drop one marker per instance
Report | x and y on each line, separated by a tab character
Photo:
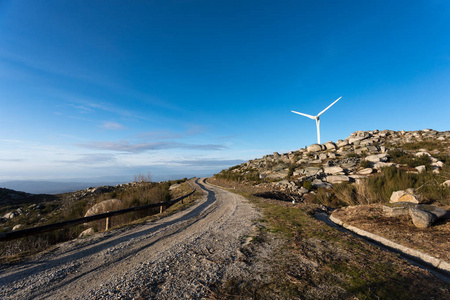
307	185
252	176
429	145
410	160
365	164
291	171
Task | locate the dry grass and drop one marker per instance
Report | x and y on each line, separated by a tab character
320	262
433	240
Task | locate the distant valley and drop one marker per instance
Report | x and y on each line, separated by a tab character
50	187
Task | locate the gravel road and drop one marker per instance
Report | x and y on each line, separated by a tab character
179	256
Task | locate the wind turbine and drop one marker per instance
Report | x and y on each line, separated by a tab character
317	117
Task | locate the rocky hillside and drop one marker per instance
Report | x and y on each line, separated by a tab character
359	156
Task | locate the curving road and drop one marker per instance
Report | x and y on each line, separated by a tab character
176	257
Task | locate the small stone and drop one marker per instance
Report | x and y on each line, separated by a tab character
17	227
421	168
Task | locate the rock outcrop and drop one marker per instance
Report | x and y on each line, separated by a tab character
104	206
362	154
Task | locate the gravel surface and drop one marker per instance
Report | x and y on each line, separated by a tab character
179	256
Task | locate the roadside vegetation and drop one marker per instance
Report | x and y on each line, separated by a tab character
75	205
316	261
379	187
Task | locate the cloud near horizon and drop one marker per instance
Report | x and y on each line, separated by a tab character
125	146
91	159
210	162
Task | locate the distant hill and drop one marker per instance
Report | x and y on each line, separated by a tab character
50	187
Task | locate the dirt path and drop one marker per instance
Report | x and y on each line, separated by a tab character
175	257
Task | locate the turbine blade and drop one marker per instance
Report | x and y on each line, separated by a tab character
305	115
329	106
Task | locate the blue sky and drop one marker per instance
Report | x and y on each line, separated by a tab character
94	89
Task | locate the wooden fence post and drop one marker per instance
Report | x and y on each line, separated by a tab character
161	209
108	222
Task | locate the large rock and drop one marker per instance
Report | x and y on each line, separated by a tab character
311	171
87	232
404	196
330	145
337	179
341	143
334	170
365	171
382	157
277	175
302	190
356	139
317	183
446	183
436	211
323	156
421	218
314	148
104	206
397	209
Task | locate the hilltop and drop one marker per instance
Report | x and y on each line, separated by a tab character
361	155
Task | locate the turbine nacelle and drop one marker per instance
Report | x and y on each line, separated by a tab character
317	117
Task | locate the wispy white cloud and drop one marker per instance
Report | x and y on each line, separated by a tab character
159	135
112	126
82	108
168	135
208	162
12	159
195	129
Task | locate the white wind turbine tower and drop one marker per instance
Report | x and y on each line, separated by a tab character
317	118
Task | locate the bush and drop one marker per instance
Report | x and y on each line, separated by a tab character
307	185
410	160
251	176
429	145
291	171
365	164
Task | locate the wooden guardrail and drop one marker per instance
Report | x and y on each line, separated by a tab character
8	236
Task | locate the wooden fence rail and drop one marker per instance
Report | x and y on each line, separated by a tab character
8	236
